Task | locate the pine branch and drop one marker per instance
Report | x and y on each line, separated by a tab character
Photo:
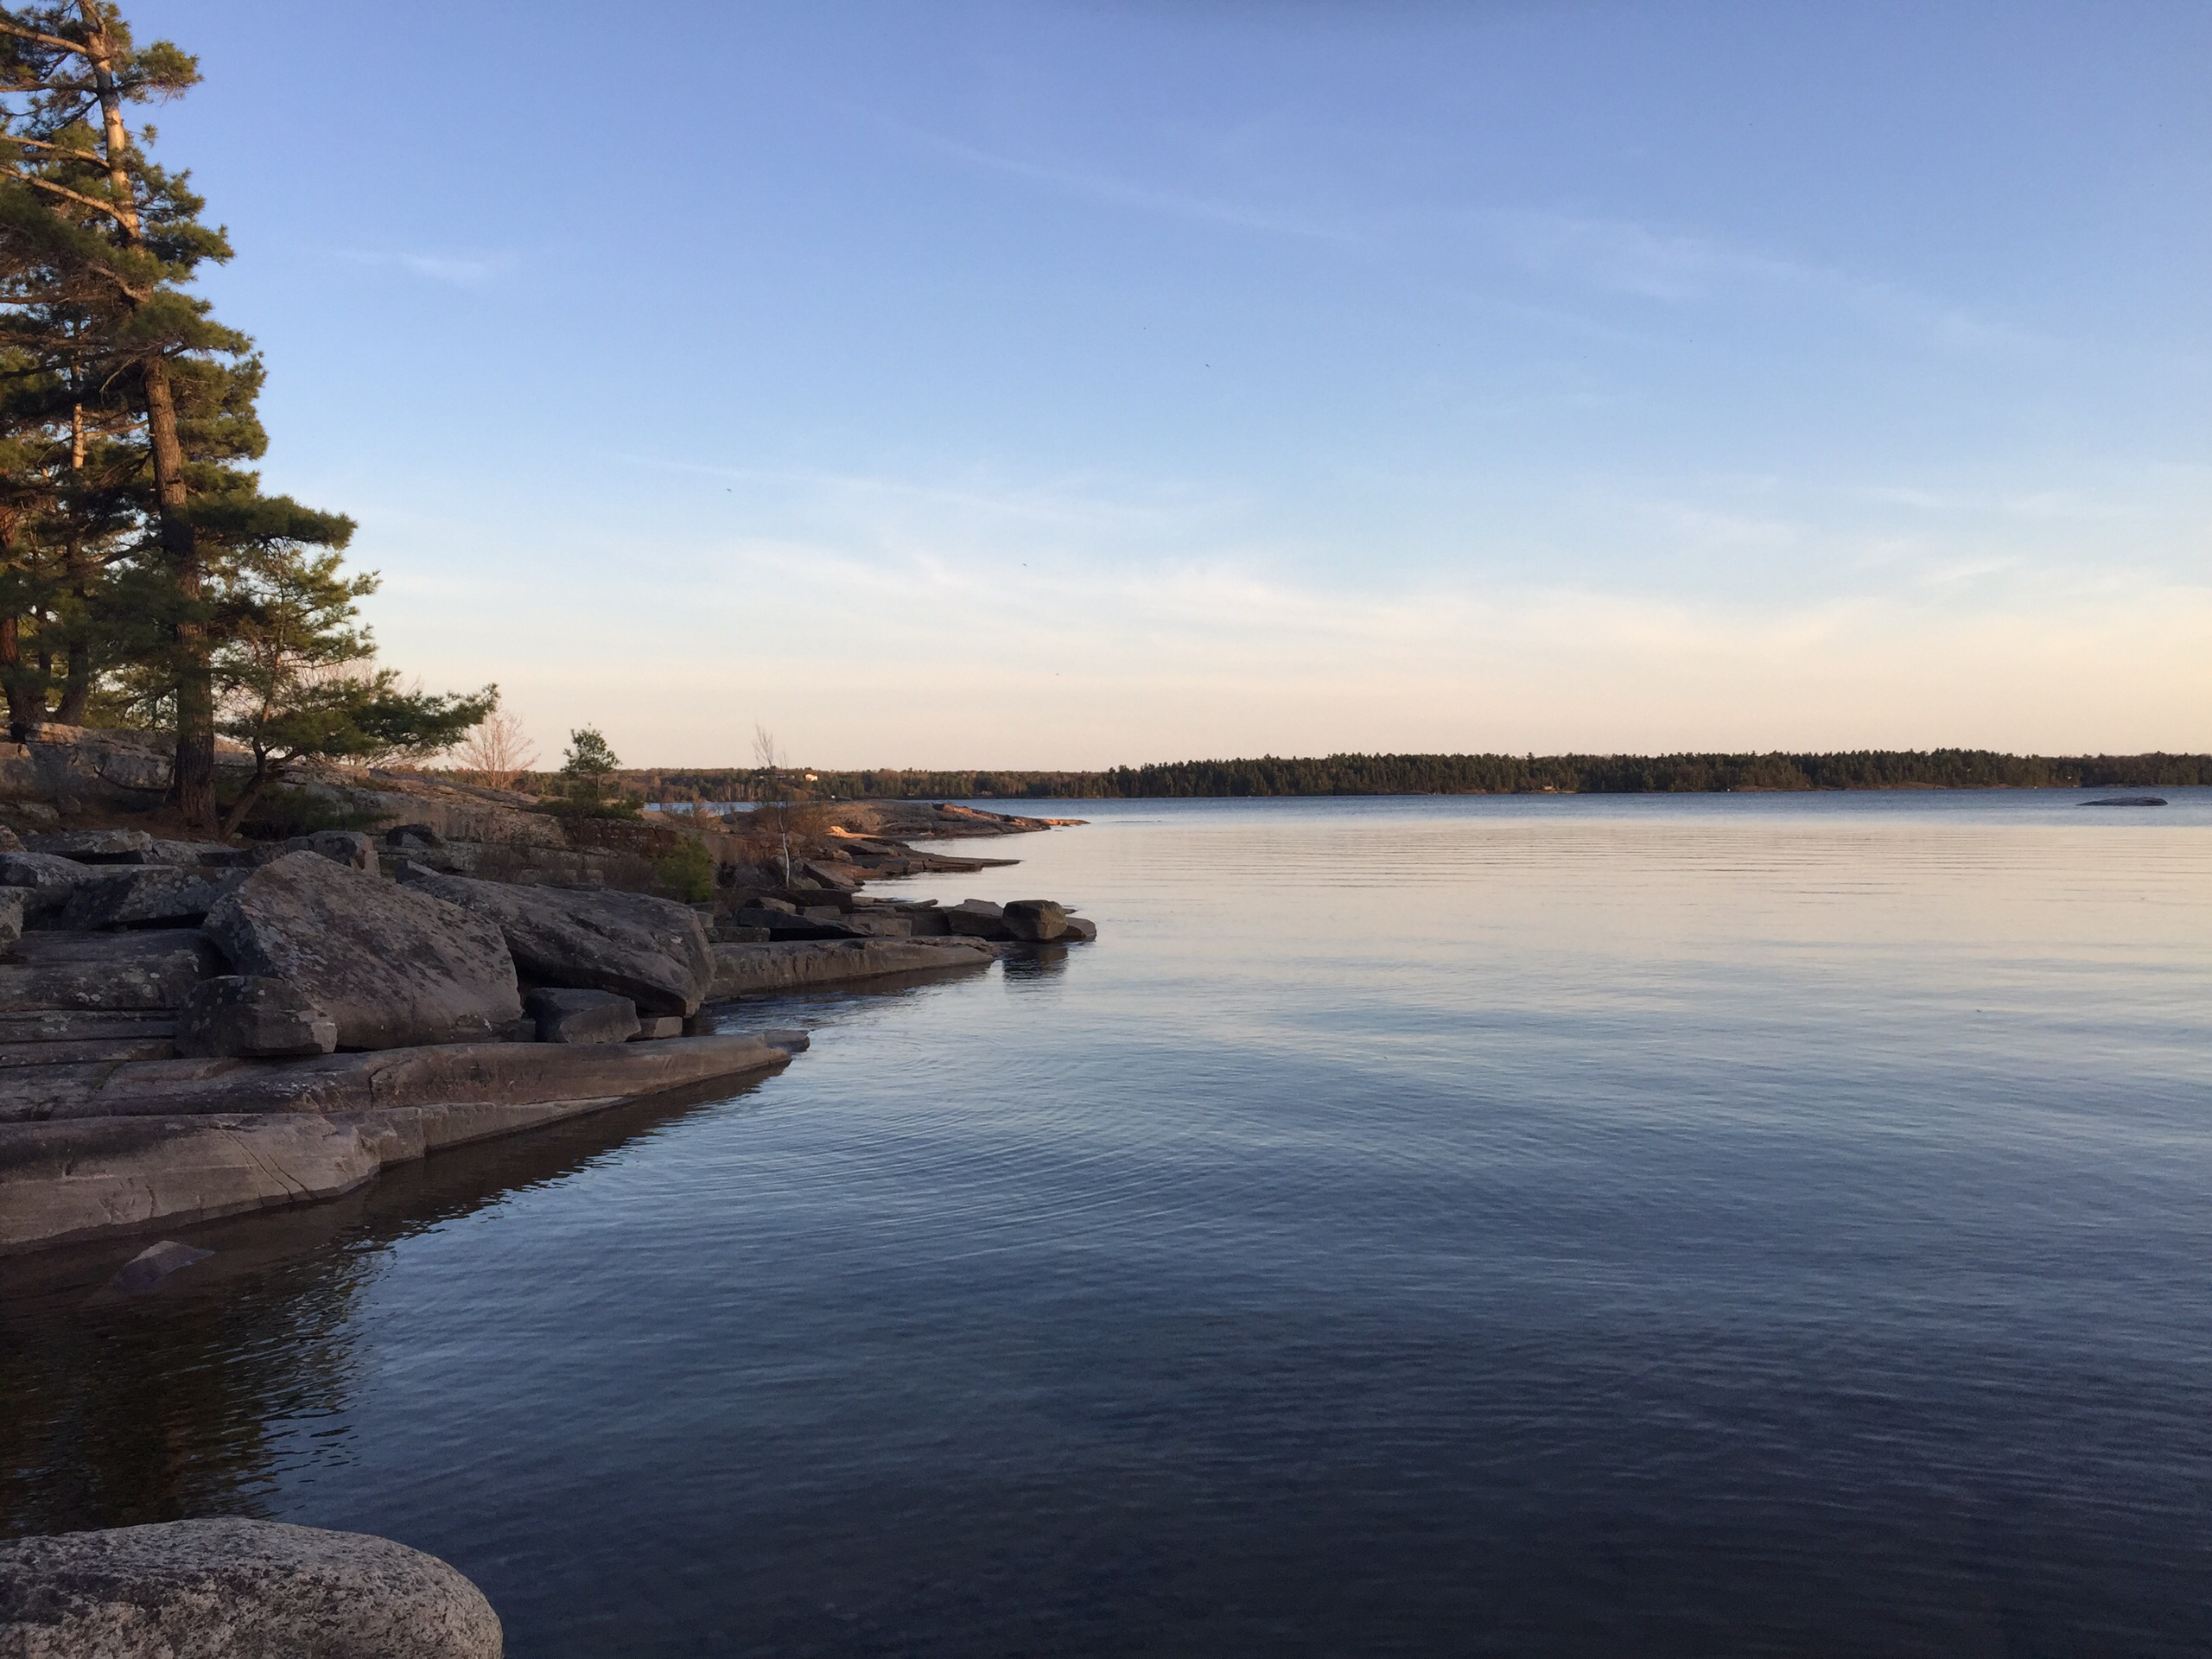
22	34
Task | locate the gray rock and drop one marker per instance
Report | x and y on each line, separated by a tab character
975	919
348	847
657	1028
776	968
408	837
1035	921
238	1589
147	1271
95	845
1078	932
116	973
10	841
63	1028
49	879
120	1149
790	1039
154	895
825	924
259	1019
879	927
14	902
652	950
392	967
216	852
569	1016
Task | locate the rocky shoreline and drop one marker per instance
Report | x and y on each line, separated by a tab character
190	1030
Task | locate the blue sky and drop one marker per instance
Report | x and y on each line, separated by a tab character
1068	383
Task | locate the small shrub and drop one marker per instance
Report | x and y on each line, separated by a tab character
688	873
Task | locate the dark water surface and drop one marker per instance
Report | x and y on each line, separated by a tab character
1678	1226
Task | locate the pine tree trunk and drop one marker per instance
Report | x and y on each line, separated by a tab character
77	691
191	783
21	716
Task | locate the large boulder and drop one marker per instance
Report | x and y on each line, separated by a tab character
652	950
259	1019
238	1589
393	968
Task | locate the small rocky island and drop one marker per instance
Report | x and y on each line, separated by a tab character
193	1029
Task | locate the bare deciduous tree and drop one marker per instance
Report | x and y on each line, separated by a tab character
772	789
497	751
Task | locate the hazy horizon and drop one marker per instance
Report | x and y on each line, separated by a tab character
1056	386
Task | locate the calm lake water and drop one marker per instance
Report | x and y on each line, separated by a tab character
1595	1226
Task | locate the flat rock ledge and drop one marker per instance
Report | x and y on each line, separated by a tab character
239	1589
133	1147
769	969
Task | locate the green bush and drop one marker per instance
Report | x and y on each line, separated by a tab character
688	873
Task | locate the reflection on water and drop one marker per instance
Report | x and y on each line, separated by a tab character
1680	1226
118	1409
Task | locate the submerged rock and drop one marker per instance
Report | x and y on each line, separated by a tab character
393	968
147	1270
239	1589
652	950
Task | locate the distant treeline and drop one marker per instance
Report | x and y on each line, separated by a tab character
1477	774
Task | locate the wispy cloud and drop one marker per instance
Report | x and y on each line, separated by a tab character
1628	256
456	269
1077	181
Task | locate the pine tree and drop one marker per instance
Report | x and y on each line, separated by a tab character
141	548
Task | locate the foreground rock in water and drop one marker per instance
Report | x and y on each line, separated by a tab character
123	1148
239	1589
393	968
652	950
1035	921
765	969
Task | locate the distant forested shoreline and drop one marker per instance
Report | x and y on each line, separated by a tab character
1469	775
